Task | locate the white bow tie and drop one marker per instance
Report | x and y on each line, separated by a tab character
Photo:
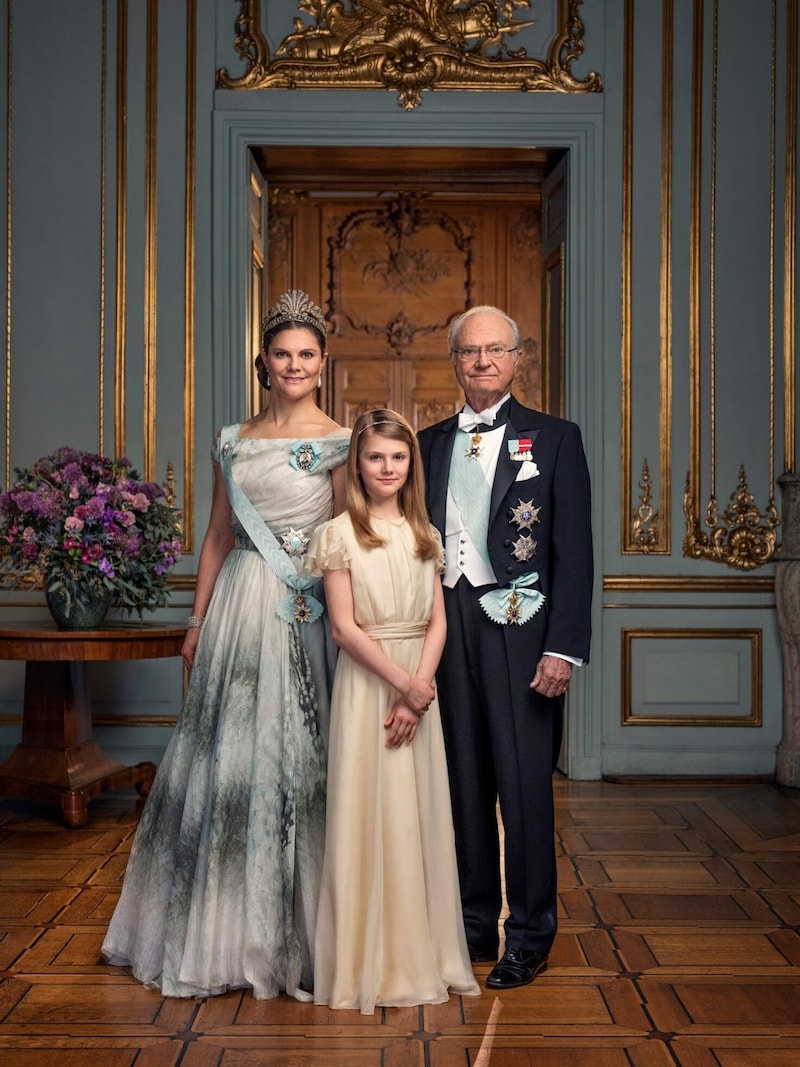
469	419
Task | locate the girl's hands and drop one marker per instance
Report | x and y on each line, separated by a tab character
401	725
420	694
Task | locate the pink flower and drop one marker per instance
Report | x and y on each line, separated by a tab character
73	525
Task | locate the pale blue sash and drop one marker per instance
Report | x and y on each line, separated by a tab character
471	492
301	605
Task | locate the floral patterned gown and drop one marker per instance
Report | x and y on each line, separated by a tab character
222	884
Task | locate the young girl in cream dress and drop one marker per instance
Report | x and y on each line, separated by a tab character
389	926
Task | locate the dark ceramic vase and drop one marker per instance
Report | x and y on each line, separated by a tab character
84	609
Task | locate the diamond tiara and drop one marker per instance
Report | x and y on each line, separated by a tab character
294	306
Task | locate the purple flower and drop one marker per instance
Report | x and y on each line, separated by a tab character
92	516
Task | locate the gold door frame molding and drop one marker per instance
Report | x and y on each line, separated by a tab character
409	49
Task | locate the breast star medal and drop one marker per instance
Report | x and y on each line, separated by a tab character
524	548
294	542
525	515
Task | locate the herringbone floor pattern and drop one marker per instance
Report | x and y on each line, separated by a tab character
679	944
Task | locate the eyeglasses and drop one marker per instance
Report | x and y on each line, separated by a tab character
467	355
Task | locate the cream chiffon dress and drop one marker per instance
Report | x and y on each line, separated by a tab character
389	925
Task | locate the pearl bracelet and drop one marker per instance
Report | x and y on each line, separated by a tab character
195	622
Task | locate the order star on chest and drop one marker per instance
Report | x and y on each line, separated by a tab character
294	542
524	548
525	515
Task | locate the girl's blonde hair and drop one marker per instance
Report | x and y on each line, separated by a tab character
411	497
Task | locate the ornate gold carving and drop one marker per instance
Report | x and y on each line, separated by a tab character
408	48
744	538
644	532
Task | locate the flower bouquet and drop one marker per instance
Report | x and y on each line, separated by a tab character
84	526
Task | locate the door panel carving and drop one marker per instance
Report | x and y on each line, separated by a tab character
392	272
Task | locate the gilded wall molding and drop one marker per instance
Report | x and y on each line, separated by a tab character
101	332
754	637
742	536
120	333
647	528
408	48
189	276
789	240
150	241
678	583
7	412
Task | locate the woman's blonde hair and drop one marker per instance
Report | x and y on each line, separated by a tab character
411	497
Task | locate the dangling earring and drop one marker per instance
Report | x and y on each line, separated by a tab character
319	383
262	372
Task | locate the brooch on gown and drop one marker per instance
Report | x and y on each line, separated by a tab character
294	542
305	456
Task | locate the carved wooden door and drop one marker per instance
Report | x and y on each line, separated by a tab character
391	272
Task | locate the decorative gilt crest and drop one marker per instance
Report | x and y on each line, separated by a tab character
645	518
744	538
408	47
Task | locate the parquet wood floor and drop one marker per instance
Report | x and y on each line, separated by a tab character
679	944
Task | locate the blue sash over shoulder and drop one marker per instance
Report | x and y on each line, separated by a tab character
300	605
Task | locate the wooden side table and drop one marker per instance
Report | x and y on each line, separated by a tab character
57	761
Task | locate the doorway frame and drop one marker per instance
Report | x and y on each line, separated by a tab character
366	120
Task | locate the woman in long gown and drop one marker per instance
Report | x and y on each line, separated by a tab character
222	884
389	929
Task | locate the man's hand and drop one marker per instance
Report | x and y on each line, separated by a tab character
552	676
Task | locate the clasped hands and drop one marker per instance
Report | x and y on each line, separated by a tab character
402	721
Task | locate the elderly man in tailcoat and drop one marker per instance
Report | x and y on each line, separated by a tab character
508	489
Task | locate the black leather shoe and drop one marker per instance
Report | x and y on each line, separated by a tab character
479	954
516	968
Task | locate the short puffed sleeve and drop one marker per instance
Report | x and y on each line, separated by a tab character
327	551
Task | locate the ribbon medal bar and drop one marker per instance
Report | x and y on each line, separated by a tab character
521	449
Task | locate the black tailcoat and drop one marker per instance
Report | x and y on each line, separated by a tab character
502	738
